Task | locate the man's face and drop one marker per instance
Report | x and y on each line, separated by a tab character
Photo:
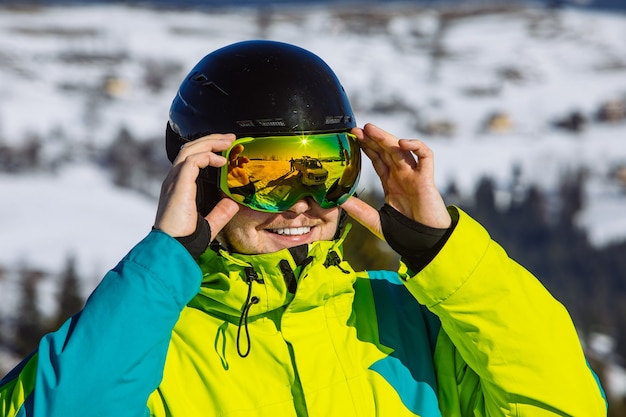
255	232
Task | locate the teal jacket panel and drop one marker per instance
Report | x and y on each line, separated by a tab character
107	359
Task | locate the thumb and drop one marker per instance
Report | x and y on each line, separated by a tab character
221	214
365	214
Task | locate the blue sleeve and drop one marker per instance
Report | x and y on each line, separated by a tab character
109	358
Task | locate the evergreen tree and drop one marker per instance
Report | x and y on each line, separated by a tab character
452	195
572	196
29	328
485	200
121	158
70	299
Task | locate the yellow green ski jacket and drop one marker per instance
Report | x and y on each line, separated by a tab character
472	334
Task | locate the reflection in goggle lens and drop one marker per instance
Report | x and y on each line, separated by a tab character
272	173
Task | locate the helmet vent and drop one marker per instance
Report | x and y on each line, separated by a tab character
202	79
333	120
271	122
215	87
245	123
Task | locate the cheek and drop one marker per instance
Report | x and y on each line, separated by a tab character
236	238
331	223
240	235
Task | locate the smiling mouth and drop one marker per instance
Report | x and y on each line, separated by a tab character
292	231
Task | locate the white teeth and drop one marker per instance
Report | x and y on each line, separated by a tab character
292	231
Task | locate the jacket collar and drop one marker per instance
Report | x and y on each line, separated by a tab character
230	280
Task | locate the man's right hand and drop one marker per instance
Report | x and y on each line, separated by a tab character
177	213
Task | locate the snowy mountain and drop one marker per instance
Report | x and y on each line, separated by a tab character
483	88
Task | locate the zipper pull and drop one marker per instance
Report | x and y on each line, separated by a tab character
332	259
251	275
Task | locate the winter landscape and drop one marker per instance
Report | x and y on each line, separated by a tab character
511	93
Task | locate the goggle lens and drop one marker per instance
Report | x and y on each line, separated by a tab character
272	173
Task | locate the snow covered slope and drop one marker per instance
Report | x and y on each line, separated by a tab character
76	75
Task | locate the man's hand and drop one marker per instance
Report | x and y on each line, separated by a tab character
177	213
406	170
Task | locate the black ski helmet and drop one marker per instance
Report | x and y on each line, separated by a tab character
255	88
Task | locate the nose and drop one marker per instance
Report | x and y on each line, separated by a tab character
301	206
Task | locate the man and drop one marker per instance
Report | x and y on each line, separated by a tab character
240	303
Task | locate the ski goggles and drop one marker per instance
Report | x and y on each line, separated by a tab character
272	173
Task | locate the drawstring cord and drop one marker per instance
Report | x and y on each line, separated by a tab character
251	275
332	259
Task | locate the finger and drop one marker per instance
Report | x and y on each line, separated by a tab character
198	161
372	151
177	209
214	138
425	157
382	158
221	214
380	166
365	214
187	167
367	143
207	144
388	147
202	157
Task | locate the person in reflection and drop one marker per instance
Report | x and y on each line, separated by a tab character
238	179
228	309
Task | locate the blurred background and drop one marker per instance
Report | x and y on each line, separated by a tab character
524	104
